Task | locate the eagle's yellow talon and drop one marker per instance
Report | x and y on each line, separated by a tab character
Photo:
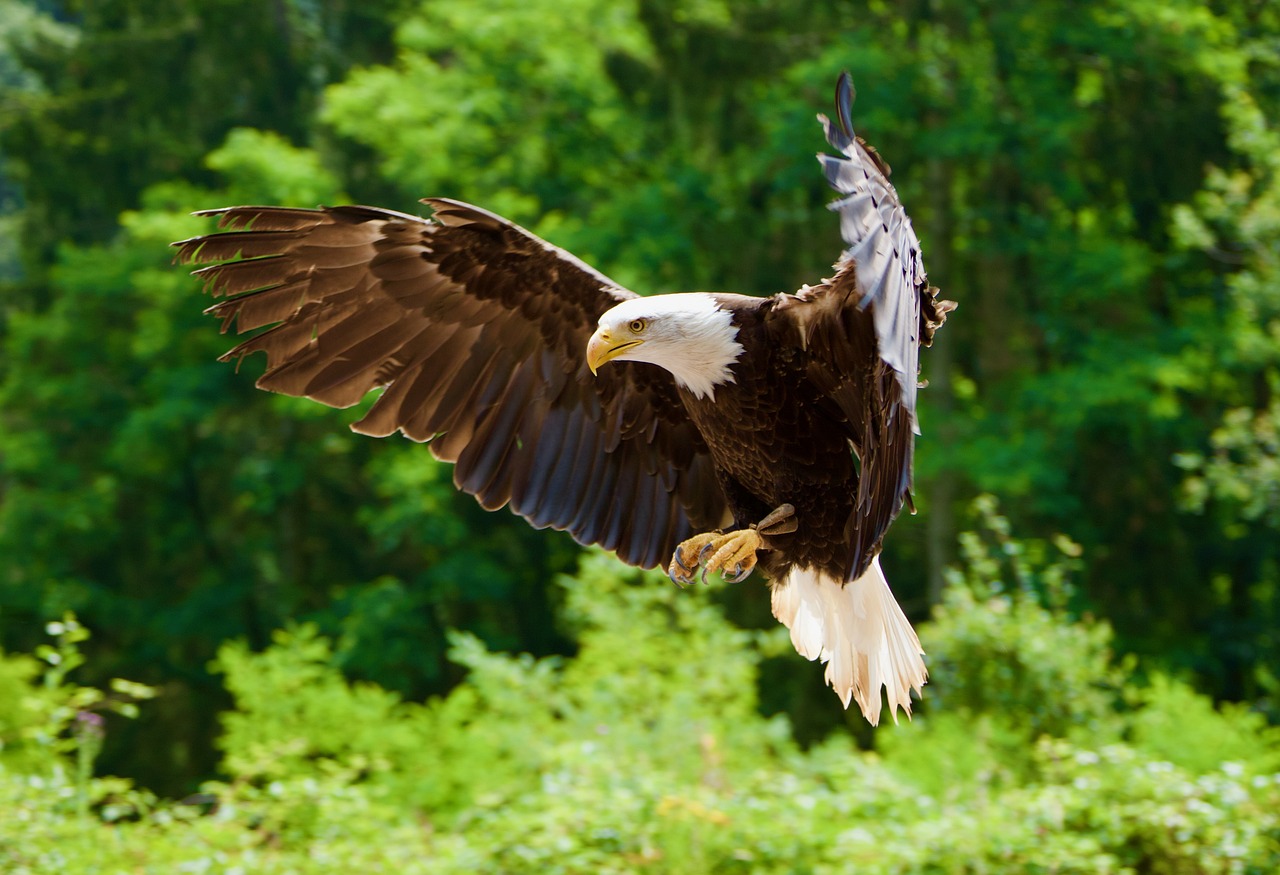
735	549
713	552
688	556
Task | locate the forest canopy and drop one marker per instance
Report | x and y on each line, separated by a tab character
1096	183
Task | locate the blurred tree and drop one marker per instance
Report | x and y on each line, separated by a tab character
1234	475
1116	300
155	490
142	91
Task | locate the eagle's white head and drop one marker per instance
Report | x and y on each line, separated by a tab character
688	334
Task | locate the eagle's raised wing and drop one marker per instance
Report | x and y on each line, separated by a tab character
864	327
882	247
475	330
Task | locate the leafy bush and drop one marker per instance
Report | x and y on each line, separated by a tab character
1010	664
1003	641
1172	721
657	676
43	715
645	752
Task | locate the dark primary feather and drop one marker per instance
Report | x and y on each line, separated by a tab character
475	330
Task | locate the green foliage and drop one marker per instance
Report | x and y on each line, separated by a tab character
1010	665
46	715
165	465
51	731
653	673
644	752
1243	471
1172	721
262	165
27	710
1237	218
630	147
1111	374
1233	475
122	96
1002	641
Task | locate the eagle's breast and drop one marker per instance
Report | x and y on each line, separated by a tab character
773	441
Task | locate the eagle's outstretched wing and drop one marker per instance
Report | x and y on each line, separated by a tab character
864	327
475	330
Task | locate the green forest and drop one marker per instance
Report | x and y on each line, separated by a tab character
237	637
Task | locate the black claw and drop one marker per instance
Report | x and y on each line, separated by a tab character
682	577
702	555
678	559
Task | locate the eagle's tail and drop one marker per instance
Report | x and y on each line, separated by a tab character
859	631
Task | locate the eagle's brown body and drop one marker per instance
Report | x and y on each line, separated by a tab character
776	439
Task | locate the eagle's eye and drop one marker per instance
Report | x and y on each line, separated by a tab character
638	325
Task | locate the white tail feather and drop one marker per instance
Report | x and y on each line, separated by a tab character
859	631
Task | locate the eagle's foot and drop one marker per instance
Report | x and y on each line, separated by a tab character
735	550
713	551
688	556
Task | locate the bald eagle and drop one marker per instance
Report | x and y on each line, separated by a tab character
727	432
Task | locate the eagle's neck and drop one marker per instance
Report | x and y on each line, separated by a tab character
708	346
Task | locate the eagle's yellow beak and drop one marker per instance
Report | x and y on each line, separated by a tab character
604	347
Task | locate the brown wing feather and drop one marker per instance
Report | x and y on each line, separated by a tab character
475	330
864	395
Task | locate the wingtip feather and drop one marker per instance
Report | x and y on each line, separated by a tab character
845	96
